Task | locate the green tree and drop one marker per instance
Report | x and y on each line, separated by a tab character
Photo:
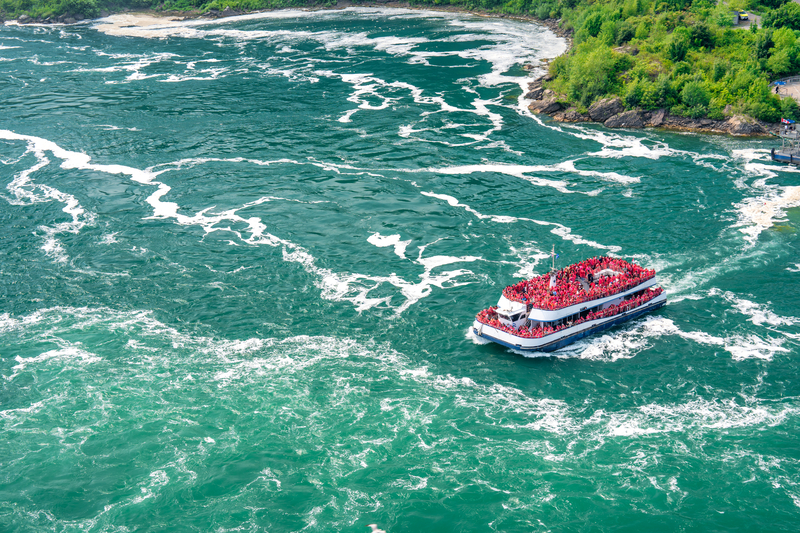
701	36
678	44
784	38
593	23
780	63
764	44
786	16
789	109
592	73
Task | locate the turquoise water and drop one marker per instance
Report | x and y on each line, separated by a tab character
240	260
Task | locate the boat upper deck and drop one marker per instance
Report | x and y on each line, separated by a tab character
588	280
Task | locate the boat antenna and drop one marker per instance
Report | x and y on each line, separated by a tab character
554	255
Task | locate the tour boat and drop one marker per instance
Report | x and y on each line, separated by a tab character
555	309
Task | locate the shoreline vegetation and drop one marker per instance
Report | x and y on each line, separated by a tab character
675	64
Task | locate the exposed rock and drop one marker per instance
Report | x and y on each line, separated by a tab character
70	20
24	19
605	109
657	118
228	12
570	115
104	13
739	125
548	106
79	17
628	119
627	49
535	94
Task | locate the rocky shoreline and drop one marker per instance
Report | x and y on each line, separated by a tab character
612	114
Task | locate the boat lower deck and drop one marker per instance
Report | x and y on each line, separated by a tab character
563	338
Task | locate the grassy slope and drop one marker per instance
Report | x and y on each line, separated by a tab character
680	54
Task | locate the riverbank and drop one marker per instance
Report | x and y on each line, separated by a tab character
612	114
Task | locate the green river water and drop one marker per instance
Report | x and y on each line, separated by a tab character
240	260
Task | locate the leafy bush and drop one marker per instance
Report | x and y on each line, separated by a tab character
592	24
593	71
694	94
786	16
764	44
635	93
773	4
762	111
679	44
701	36
780	63
625	32
789	109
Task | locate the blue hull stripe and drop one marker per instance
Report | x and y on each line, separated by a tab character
560	343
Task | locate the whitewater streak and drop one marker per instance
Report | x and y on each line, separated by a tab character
353	287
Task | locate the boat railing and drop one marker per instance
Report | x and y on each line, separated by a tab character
488	317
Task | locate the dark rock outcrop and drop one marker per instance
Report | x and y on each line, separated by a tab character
570	115
24	19
535	93
548	105
739	125
605	109
657	117
627	119
535	90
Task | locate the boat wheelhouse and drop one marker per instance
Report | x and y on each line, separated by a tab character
550	311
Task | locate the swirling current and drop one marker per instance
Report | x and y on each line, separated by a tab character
240	259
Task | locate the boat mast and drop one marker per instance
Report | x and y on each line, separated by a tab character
553	255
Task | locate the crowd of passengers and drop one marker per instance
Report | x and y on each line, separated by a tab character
568	289
489	317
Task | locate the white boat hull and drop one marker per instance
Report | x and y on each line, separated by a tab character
566	336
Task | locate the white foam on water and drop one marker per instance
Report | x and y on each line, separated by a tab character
759	314
376	239
198	75
517	171
760	214
513	43
528	258
744	347
60	355
627	343
351	287
109	238
558	229
699	414
356	287
621	344
134	65
27	192
14	414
